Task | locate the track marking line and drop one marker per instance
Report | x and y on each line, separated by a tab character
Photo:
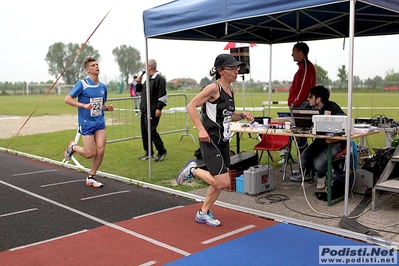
242	229
152	213
37	172
149	263
18	212
48	240
9	117
105	195
61	183
101	221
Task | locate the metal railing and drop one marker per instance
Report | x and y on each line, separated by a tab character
124	122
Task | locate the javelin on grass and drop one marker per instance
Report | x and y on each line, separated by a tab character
56	81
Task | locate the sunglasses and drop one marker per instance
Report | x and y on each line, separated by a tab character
232	68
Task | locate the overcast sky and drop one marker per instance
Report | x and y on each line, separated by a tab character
28	28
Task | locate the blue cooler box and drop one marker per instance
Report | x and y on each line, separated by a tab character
258	179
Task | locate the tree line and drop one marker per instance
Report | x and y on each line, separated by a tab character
63	59
60	59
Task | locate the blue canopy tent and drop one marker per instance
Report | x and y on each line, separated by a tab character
269	22
273	22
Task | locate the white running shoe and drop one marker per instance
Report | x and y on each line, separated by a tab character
321	183
92	182
69	150
185	174
206	218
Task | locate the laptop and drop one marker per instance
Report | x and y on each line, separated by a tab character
302	118
283	114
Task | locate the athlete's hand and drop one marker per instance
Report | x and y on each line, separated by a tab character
88	106
204	136
110	107
248	116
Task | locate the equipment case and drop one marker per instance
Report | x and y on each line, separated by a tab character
239	163
258	179
243	160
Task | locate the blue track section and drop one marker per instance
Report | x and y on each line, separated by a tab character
281	244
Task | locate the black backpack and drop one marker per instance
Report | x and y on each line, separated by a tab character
377	163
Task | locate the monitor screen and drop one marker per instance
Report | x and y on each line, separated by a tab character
284	114
302	117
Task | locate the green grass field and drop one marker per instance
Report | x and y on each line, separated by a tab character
121	157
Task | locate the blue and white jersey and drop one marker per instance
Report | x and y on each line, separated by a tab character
88	92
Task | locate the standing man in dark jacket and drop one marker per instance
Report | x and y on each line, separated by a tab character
158	100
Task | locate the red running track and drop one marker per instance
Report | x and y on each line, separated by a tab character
153	239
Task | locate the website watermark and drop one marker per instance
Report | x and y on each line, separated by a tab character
352	255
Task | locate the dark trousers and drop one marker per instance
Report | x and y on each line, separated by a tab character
302	143
155	137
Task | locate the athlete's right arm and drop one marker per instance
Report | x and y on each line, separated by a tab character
210	92
72	102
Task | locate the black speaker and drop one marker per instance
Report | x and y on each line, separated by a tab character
241	54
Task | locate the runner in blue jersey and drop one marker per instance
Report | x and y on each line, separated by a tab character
214	134
91	96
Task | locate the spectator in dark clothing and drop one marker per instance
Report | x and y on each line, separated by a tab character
158	100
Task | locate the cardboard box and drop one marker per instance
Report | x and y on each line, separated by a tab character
363	181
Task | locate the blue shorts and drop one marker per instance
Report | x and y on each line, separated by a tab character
88	130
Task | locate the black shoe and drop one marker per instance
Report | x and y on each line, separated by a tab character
145	157
160	157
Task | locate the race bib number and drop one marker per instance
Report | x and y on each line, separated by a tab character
226	125
97	106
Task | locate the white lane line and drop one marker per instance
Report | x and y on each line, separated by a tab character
149	263
105	195
114	226
61	183
18	212
9	117
228	234
37	172
48	240
165	210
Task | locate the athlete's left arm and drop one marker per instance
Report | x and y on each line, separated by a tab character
244	115
107	107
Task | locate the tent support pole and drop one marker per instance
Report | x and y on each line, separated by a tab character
243	93
270	79
148	108
350	92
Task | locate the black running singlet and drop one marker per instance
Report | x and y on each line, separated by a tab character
217	116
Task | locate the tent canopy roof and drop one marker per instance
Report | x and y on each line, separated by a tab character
274	21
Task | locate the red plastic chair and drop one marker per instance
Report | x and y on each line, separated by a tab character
271	142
